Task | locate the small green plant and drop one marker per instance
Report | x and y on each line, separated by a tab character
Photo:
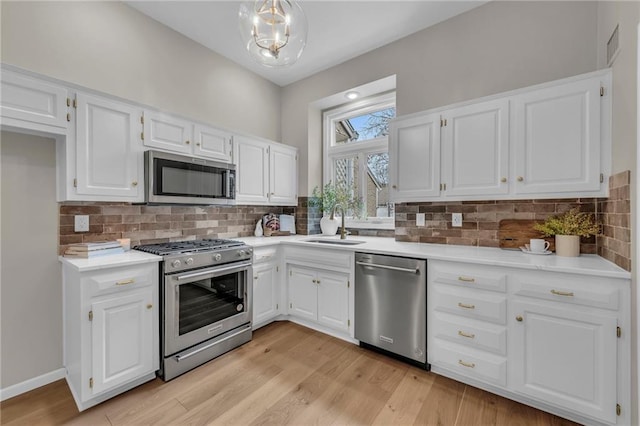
572	222
334	196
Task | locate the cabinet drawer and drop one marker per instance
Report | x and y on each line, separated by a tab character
266	254
119	279
478	365
471	276
469	303
470	333
325	257
578	290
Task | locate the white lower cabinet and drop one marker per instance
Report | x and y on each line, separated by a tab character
266	286
319	290
550	340
111	329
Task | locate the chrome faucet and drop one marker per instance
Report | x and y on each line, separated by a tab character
343	231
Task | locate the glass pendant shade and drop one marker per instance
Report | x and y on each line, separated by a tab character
274	32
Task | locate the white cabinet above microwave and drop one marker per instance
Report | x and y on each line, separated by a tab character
172	134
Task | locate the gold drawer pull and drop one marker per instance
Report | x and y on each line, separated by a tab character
465	306
463	334
562	293
149	306
519	318
125	282
466	364
467	279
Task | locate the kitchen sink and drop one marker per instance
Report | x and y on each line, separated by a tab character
336	242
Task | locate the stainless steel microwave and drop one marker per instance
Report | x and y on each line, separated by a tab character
179	179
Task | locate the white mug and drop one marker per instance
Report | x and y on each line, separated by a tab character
538	245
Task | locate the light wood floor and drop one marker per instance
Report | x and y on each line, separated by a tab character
287	374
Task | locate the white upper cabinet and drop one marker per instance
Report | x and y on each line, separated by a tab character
168	133
414	163
475	149
107	164
283	175
212	143
547	141
266	173
33	104
557	138
161	131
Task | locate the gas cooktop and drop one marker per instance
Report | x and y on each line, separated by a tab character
191	246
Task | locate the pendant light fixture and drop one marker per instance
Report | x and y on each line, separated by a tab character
274	32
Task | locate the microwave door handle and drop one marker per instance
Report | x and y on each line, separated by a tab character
229	184
214	273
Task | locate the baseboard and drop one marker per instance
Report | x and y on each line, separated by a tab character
31	384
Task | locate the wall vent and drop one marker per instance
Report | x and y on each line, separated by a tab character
613	46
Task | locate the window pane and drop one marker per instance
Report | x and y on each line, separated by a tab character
346	176
366	126
377	197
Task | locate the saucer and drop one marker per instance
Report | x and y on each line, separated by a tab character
524	250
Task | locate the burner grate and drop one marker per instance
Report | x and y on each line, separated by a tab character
191	246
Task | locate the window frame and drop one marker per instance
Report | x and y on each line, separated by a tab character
331	151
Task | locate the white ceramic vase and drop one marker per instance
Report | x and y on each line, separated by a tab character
568	245
329	226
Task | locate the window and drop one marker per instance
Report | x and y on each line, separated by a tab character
356	155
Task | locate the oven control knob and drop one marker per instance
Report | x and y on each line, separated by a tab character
217	257
189	261
176	263
241	253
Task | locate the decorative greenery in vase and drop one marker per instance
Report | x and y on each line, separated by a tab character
572	222
333	196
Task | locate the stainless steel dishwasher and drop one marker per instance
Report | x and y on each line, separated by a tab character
391	305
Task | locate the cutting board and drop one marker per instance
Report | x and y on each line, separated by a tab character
514	233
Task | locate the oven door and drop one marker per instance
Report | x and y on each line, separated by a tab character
202	304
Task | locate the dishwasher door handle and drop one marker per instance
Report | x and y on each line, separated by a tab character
392	268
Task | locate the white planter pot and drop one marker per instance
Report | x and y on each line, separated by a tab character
329	226
568	245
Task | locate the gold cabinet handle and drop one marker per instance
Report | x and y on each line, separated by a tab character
134	183
519	318
125	282
503	180
466	279
313	281
198	143
520	178
465	306
149	306
255	278
394	186
466	364
467	335
562	293
187	142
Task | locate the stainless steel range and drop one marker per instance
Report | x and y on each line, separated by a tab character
206	300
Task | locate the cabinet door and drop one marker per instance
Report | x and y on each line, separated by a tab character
283	175
265	292
107	162
475	148
557	138
333	300
414	158
33	101
212	143
122	338
252	171
565	357
303	293
167	133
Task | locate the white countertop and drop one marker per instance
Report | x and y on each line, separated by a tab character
132	257
586	264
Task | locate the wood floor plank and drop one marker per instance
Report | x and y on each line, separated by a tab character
287	374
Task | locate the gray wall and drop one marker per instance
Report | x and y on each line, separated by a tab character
110	47
496	47
625	150
30	277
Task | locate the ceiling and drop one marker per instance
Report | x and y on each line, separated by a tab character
338	30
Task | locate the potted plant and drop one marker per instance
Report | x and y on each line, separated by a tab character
567	228
332	197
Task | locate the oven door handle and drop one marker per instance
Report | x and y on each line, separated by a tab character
179	358
214	272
